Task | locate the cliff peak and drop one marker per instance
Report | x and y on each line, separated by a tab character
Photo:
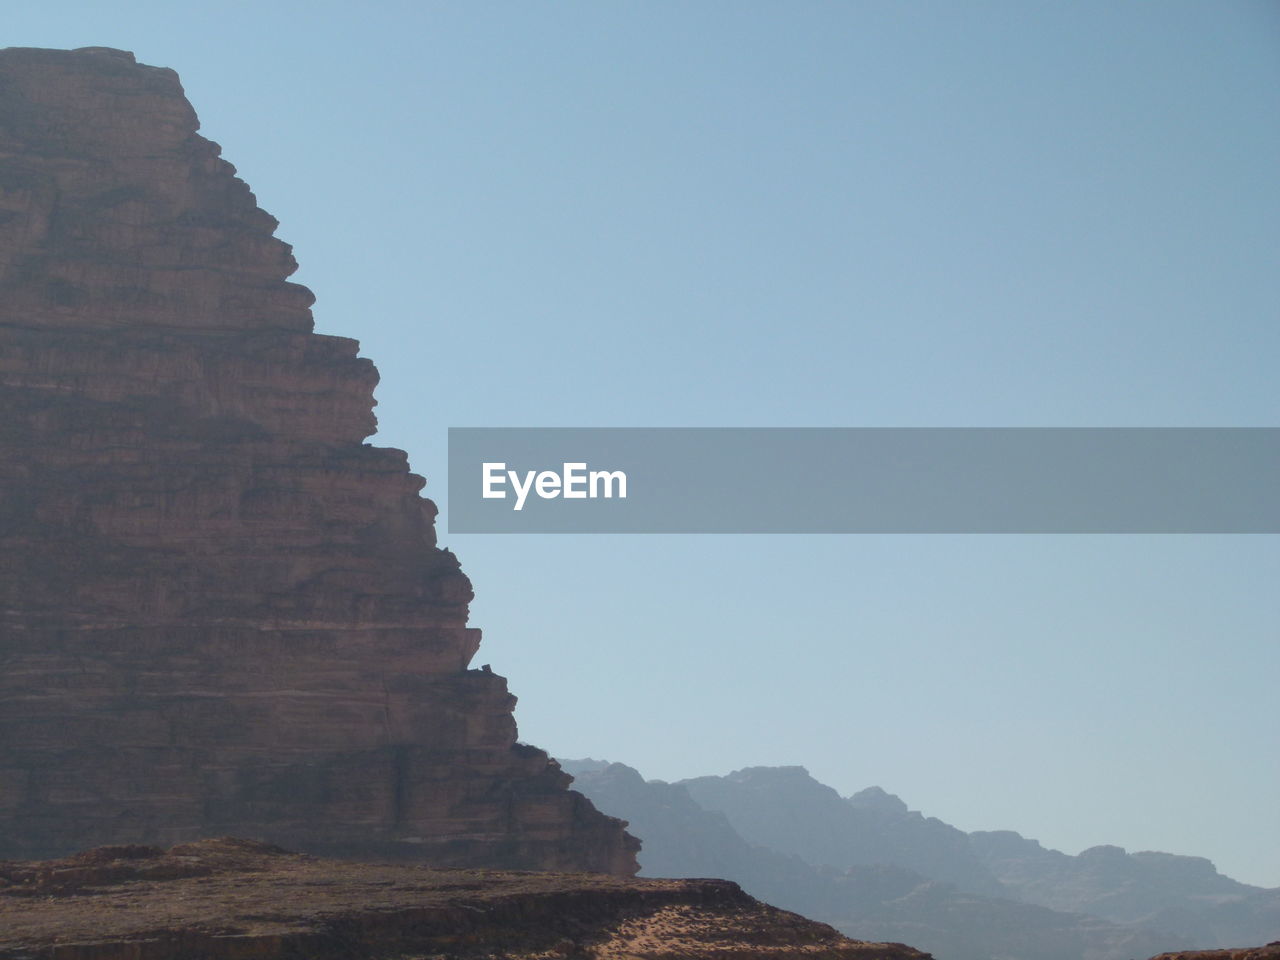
115	212
223	613
879	800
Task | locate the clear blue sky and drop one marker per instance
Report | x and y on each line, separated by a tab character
810	214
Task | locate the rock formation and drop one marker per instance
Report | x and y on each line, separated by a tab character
1269	952
221	612
231	900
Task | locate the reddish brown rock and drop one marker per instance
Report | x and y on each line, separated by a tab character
1270	952
231	900
220	610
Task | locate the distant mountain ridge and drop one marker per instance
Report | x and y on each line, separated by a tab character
874	868
786	809
1183	894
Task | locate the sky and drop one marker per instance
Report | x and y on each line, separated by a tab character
862	214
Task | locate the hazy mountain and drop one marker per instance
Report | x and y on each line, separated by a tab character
682	838
786	809
1185	895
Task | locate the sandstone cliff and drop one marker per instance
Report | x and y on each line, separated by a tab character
220	610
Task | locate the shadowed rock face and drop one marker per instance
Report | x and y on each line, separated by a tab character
220	611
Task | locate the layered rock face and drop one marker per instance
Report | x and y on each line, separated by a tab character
221	612
206	900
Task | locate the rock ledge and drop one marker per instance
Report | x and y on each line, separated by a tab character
225	898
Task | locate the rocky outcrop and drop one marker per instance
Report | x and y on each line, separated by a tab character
224	899
220	610
1270	952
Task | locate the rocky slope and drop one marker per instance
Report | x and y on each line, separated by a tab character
220	610
866	864
1269	952
219	899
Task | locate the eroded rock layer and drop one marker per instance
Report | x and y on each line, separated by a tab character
232	900
220	610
